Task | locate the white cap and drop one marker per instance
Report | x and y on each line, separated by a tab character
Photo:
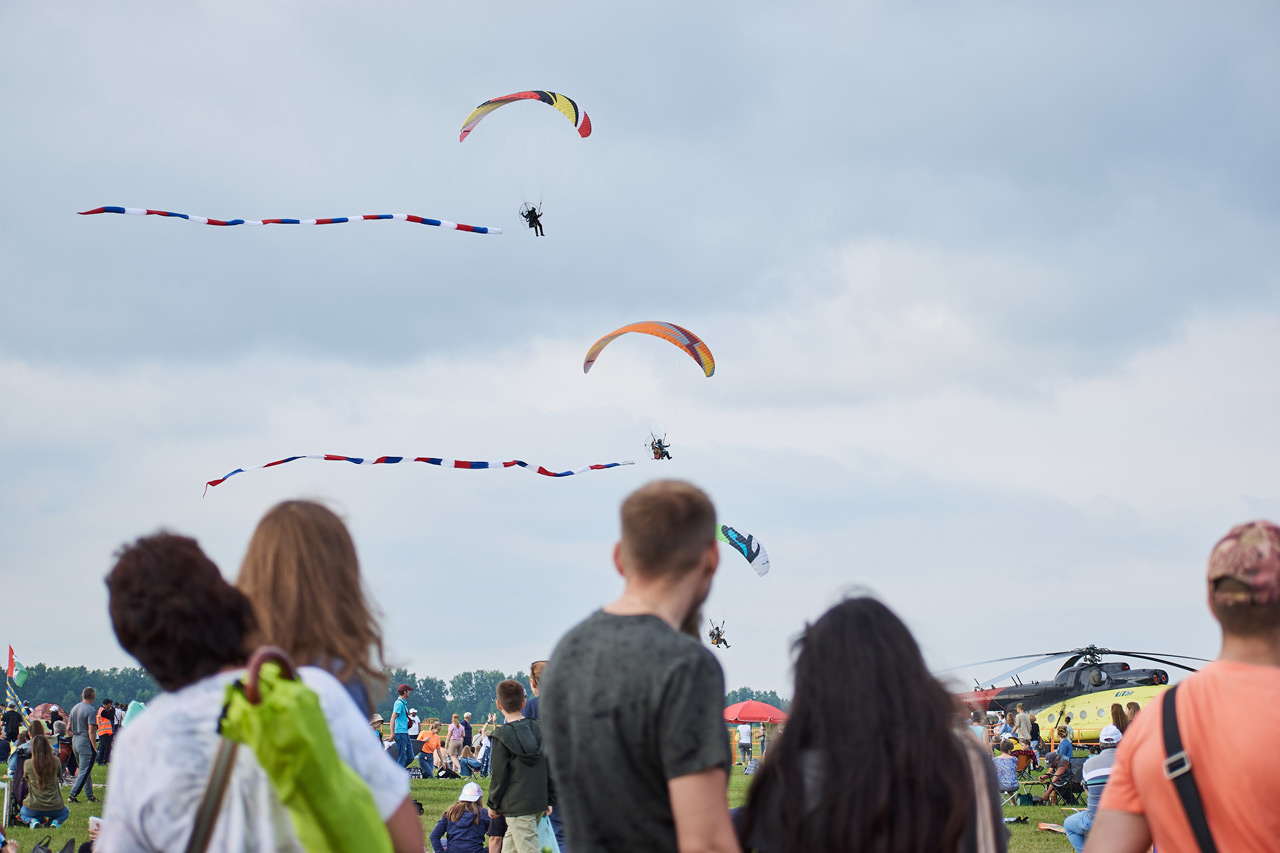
413	712
471	793
1110	734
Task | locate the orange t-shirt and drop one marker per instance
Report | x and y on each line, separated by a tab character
1226	714
430	741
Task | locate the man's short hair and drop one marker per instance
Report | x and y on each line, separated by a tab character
510	695
87	694
173	611
1242	619
667	525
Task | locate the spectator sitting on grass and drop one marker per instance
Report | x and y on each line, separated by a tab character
44	780
464	824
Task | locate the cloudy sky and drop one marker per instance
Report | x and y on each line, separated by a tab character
992	292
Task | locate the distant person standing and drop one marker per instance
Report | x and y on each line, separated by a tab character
106	722
466	729
744	743
400	725
633	702
1022	725
531	711
1190	771
520	791
82	721
12	722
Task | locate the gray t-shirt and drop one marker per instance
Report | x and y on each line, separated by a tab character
628	704
82	717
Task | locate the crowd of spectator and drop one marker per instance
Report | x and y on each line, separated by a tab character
619	744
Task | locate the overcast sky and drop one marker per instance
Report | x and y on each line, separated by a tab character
992	291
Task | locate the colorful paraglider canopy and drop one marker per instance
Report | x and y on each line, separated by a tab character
752	711
746	545
562	103
670	332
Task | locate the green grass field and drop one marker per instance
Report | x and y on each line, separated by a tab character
436	795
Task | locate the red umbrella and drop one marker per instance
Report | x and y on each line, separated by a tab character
752	711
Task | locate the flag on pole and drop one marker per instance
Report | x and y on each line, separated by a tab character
13	696
16	670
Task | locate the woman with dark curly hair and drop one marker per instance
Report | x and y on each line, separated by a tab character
905	778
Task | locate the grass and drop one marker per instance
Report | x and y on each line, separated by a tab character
77	825
436	795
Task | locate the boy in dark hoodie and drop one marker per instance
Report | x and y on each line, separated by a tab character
520	790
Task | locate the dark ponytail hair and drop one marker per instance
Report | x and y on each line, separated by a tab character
902	782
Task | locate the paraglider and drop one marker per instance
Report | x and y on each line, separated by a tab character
528	145
560	102
659	447
746	545
533	218
716	635
335	220
670	332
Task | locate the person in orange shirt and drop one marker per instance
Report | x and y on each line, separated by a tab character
428	744
1219	712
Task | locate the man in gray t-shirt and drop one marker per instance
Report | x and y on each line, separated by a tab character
633	705
82	722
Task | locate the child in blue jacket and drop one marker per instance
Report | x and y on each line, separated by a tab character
465	823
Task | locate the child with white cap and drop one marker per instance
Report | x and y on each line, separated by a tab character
465	823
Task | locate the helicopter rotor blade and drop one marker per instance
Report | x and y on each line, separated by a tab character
1023	668
1162	654
1045	655
1161	660
1071	661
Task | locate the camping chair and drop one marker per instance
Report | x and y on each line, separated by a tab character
1026	758
1071	785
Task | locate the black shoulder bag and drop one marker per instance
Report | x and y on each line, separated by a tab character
1177	769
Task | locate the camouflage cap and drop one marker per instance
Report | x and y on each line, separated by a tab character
1249	553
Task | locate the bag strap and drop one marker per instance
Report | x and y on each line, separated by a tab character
211	802
1177	769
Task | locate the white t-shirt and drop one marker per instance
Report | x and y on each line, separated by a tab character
160	766
744	733
414	722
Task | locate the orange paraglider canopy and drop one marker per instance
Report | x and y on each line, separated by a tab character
670	332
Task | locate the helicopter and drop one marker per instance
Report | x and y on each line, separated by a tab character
1081	681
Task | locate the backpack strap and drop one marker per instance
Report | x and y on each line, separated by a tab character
211	802
1177	769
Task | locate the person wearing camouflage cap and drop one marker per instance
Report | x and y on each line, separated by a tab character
1220	713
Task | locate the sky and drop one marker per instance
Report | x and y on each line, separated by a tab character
992	291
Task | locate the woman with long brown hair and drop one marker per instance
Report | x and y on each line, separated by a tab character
43	773
1119	718
303	577
905	778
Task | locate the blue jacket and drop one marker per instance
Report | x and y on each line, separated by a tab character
466	835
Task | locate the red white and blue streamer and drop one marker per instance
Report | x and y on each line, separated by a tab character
335	220
430	460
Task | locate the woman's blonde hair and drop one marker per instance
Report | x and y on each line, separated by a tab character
535	672
44	766
303	577
455	718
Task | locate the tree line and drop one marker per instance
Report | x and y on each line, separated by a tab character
467	691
